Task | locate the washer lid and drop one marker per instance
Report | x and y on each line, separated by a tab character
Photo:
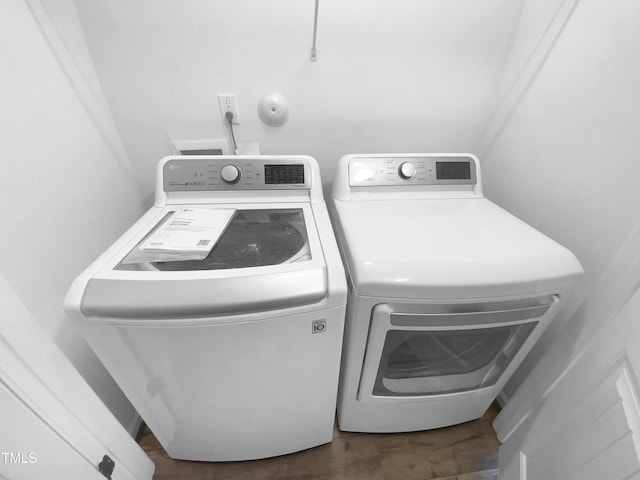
253	238
447	249
267	258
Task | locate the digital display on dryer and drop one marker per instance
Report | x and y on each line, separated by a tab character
453	171
284	174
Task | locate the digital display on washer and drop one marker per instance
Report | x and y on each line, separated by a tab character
284	174
453	170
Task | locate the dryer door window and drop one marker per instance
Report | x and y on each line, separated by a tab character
421	350
427	363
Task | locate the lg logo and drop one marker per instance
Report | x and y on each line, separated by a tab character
319	326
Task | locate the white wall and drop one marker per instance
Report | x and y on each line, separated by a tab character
562	151
391	75
67	189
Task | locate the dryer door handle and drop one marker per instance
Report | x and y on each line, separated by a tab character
470	318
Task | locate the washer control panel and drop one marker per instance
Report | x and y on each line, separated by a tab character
198	174
398	171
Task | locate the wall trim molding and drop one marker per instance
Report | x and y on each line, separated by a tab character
513	95
93	101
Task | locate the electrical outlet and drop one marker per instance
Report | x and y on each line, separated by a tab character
228	103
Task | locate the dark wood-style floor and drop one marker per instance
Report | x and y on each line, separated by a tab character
462	452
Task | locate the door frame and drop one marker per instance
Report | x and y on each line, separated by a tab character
38	374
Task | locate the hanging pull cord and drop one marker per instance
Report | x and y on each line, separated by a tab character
314	50
229	117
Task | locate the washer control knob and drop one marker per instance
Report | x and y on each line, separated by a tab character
230	174
407	170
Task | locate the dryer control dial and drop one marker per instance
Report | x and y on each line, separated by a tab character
230	174
407	170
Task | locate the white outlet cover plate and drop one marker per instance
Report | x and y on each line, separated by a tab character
222	97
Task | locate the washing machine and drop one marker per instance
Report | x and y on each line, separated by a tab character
447	292
234	354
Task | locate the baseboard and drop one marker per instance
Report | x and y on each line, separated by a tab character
134	426
502	399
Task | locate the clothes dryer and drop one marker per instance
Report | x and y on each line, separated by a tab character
234	356
447	291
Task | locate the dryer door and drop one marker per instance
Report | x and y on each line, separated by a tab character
425	350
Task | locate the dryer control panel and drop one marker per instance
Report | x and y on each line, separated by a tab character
229	173
398	171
